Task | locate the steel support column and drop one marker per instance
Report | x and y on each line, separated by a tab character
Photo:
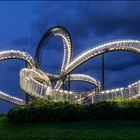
103	78
69	83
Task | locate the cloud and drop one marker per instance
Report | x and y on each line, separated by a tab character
23	41
89	24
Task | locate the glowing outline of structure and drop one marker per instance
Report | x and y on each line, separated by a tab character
34	81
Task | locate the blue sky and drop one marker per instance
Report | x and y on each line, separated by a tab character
90	23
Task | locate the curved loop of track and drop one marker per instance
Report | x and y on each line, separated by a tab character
36	83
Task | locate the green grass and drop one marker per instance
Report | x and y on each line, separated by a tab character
101	130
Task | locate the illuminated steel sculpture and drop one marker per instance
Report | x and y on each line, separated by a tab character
38	84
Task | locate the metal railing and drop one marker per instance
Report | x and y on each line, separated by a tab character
11	99
131	91
38	84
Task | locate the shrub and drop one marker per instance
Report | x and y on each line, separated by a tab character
2	115
48	111
68	112
44	111
106	110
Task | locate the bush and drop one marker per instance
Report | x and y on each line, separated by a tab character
45	111
48	111
115	110
68	112
105	110
3	115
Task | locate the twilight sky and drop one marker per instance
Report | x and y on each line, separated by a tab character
90	23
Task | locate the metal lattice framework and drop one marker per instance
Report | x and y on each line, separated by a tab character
38	84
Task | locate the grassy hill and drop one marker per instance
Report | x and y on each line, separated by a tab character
90	130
